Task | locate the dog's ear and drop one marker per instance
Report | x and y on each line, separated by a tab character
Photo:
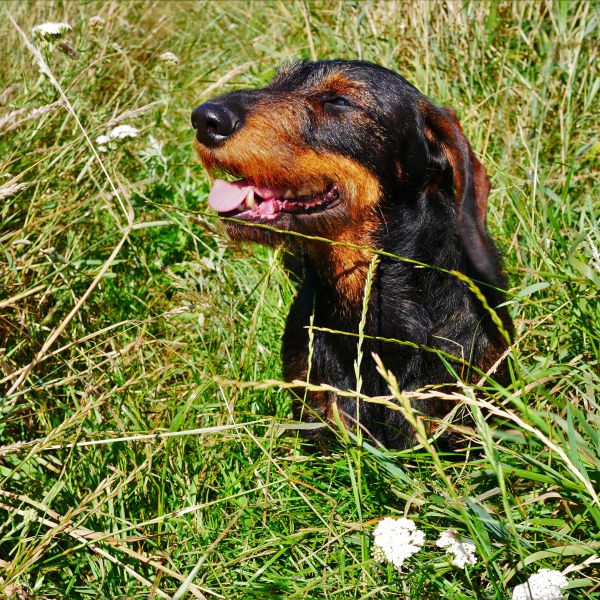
450	150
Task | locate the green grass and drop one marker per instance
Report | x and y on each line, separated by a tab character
177	332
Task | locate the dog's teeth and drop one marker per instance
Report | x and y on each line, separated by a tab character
304	191
288	194
250	200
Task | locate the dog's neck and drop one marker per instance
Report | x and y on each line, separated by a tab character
342	267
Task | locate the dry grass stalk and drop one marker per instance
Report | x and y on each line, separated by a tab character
131	114
223	80
8	91
13	119
10	189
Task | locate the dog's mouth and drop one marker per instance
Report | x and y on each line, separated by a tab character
242	200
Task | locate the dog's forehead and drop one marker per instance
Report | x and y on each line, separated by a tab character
305	75
340	76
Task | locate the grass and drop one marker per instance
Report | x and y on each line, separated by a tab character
127	320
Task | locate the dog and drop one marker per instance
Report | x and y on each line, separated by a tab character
340	161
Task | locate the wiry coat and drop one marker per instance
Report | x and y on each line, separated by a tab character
410	186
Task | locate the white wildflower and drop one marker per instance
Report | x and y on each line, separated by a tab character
96	23
123	131
110	141
102	141
169	59
396	540
546	584
50	31
463	553
29	515
446	539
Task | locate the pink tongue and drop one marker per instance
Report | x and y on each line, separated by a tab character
228	195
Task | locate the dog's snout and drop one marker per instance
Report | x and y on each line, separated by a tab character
214	122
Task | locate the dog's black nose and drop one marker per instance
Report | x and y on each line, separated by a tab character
214	122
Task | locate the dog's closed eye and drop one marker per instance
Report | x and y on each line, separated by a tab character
338	103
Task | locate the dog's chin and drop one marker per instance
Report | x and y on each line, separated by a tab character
269	233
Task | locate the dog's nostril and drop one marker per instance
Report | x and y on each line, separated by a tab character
215	121
212	125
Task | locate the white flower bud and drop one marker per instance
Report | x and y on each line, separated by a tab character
169	59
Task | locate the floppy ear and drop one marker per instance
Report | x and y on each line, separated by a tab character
450	149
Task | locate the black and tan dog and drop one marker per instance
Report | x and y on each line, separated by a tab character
351	152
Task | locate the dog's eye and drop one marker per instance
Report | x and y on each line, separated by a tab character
338	102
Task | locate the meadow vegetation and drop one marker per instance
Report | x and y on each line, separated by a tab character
145	448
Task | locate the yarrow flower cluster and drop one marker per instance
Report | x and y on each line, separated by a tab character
96	23
169	59
50	32
114	136
463	553
122	132
546	584
396	540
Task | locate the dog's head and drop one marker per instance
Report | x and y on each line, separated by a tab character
329	145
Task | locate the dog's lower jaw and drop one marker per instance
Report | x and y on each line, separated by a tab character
340	262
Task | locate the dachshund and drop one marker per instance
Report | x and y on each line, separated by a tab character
370	187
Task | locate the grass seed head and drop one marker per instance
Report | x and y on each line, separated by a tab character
96	23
